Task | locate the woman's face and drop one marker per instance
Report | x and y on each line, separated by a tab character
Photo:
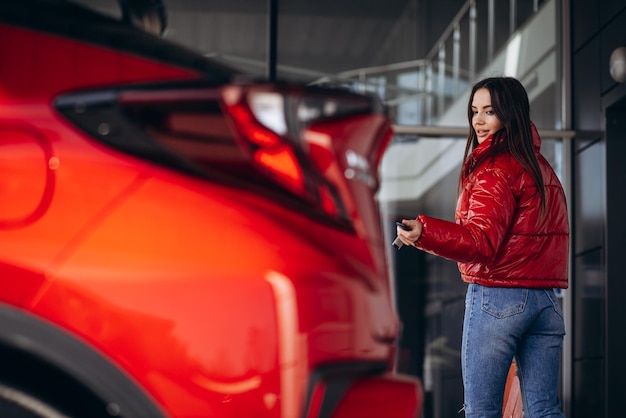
484	120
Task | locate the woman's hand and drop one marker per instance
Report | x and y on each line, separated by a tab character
410	237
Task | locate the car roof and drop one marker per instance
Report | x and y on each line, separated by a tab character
70	20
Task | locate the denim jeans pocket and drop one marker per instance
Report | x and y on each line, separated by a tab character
555	301
501	302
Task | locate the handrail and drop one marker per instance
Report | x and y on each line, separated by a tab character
458	131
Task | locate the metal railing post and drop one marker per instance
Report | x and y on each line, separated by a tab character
421	86
429	92
472	40
491	33
441	86
456	58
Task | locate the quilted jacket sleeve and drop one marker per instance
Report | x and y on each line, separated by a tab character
484	216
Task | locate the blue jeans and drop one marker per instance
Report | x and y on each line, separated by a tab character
502	323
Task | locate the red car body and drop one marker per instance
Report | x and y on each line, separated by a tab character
168	250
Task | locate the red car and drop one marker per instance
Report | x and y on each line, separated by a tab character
179	241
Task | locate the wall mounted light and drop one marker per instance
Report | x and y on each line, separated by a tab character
617	64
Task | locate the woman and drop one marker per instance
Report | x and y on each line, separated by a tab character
510	240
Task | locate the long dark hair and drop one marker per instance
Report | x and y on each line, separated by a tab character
509	102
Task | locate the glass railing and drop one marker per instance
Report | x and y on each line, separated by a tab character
418	92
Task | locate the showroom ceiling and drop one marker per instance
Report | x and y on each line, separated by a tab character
325	36
315	37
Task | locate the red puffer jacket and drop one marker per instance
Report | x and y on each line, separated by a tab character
500	237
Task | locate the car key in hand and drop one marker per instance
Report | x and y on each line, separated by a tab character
397	243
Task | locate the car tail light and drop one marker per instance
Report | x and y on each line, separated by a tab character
273	139
277	125
260	119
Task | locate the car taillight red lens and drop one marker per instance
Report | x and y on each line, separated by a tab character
283	163
273	126
270	150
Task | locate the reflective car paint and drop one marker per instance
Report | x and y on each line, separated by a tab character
214	300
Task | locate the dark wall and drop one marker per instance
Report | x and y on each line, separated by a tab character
616	248
598	27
